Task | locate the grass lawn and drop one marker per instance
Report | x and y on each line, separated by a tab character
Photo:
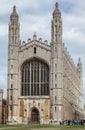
40	127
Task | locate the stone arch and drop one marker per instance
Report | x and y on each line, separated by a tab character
34	78
35	116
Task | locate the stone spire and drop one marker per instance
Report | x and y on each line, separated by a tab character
14	28
14	16
56	32
56	12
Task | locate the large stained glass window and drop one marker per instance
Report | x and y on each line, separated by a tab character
35	78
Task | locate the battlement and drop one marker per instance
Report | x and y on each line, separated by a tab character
68	55
34	40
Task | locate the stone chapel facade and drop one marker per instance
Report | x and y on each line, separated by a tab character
43	83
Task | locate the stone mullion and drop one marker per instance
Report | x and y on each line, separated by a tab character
43	81
30	79
39	78
27	82
36	77
33	78
46	82
24	83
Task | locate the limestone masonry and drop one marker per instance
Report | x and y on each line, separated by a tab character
44	85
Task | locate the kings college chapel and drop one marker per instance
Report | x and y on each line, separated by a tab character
44	85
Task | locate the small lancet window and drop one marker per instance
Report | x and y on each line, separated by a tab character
55	98
11	66
55	108
10	108
10	97
35	50
11	76
11	86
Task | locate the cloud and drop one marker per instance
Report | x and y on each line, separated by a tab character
35	24
3	29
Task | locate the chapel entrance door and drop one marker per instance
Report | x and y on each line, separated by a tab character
35	116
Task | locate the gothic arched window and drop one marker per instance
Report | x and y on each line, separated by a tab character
34	78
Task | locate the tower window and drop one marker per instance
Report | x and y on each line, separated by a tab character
11	66
10	97
55	76
55	98
35	50
55	65
11	76
55	85
55	108
11	86
10	108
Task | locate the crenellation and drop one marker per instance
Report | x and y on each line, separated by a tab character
69	58
40	39
34	36
23	42
32	42
46	42
29	40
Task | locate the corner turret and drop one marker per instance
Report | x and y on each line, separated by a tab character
56	32
56	65
14	28
14	42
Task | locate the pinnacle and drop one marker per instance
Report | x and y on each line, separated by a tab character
14	8
56	11
56	4
14	14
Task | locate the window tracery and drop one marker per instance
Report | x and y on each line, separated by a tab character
35	78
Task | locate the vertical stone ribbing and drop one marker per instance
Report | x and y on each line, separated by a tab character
79	71
56	66
14	38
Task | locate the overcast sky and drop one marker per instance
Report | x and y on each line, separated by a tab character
36	16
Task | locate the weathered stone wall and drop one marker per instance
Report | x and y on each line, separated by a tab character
26	105
72	90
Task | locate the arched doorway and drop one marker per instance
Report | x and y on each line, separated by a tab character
35	116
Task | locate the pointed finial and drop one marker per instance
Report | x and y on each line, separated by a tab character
14	8
56	5
35	33
14	15
79	59
34	36
56	12
79	67
79	62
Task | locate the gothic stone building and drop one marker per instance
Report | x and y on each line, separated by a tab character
43	83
